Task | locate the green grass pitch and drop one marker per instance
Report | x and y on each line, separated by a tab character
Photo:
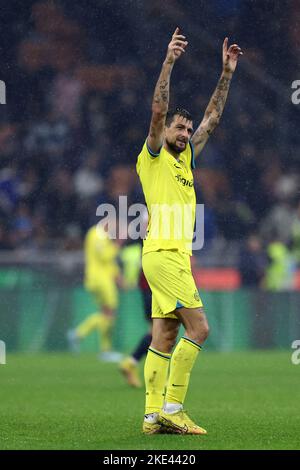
246	400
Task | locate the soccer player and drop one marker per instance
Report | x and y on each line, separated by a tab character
101	273
165	169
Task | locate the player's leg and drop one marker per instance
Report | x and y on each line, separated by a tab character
186	353
164	334
110	302
105	329
95	321
87	326
106	297
142	347
90	323
181	365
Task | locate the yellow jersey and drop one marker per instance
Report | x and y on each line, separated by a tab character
168	187
100	255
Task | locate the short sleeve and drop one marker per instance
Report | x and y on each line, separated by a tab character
146	155
151	153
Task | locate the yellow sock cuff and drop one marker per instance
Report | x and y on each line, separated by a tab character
188	340
161	354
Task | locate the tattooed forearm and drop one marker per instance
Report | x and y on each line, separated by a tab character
220	95
160	104
201	135
164	90
218	99
212	114
161	94
152	131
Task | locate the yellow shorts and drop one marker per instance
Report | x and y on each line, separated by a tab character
105	291
170	278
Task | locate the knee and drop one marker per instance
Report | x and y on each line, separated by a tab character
199	332
170	339
165	342
205	331
199	335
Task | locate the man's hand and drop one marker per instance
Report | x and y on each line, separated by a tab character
176	47
230	57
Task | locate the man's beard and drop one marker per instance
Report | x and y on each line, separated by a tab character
174	147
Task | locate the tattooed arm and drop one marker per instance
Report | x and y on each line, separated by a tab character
217	102
160	101
212	114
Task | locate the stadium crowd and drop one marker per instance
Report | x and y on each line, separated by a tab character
80	78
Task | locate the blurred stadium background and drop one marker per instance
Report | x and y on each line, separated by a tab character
79	81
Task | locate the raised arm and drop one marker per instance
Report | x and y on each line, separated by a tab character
160	101
217	102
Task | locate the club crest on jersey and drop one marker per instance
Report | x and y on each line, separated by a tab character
184	181
196	295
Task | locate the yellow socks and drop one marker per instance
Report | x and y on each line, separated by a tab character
181	364
155	372
103	323
105	329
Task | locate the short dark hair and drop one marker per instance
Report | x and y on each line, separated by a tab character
177	112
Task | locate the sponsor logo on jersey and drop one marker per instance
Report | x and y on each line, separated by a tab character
184	181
